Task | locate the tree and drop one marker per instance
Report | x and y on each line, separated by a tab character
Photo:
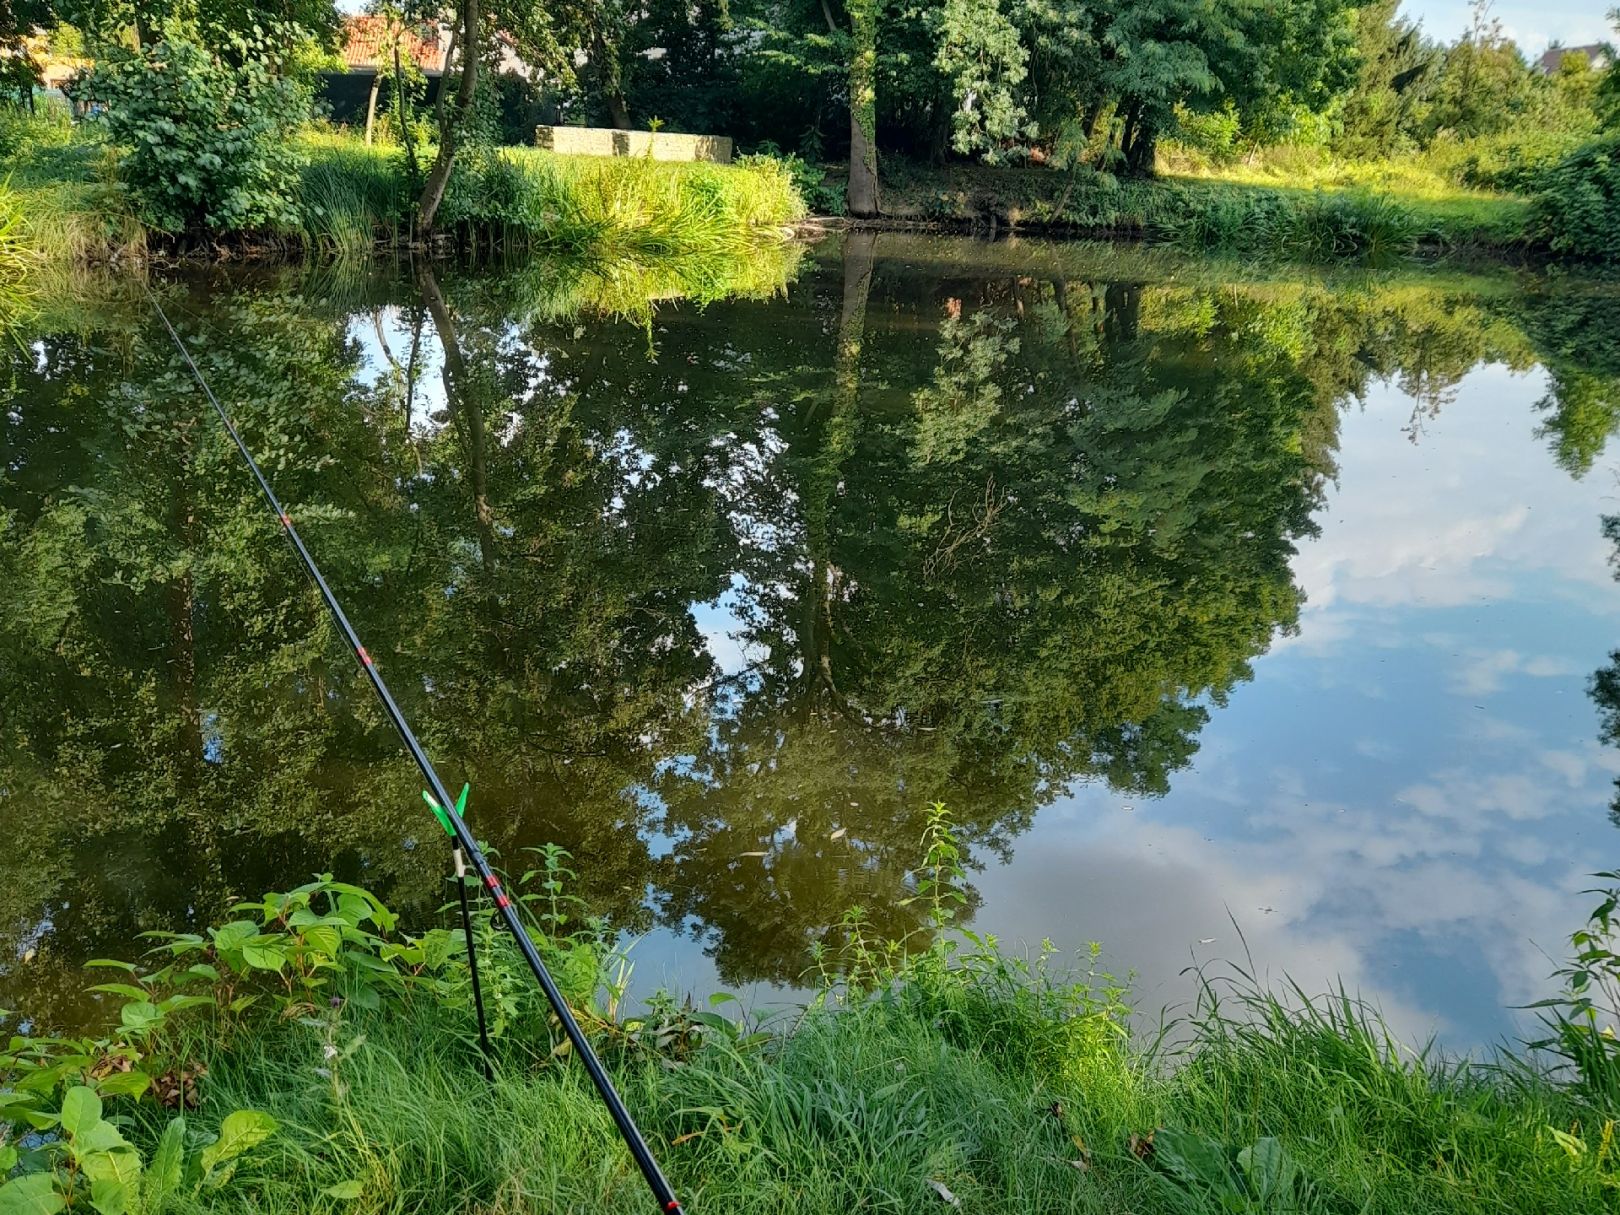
466	35
1484	85
19	70
863	17
208	134
1396	68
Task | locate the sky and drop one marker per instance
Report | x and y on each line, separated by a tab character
1530	23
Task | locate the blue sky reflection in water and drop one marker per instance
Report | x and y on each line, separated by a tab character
1410	794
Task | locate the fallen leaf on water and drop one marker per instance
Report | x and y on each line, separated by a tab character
1206	940
740	855
944	1193
839	834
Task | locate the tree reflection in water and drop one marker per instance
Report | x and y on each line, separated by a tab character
984	530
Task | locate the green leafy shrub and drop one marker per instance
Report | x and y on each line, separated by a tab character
1584	1020
1261	1179
1517	161
1213	133
1321	226
626	206
209	141
86	1163
1576	211
820	196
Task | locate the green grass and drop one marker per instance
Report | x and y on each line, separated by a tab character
1363	213
353	198
972	1083
937	1065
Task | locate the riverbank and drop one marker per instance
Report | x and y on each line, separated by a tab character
1334	217
314	1058
61	201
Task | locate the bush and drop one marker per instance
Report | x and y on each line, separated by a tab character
207	143
1215	133
628	206
1576	211
1517	161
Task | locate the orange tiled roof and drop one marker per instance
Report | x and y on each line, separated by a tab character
370	44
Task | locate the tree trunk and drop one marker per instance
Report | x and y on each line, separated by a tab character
863	157
819	492
1140	158
1122	312
371	104
413	171
450	125
462	404
863	165
608	76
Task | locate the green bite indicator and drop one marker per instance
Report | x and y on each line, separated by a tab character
443	815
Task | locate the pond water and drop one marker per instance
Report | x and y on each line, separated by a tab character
1234	614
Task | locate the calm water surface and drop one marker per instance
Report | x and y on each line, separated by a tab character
1231	615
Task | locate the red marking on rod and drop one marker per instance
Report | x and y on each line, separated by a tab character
493	882
672	1206
502	901
364	657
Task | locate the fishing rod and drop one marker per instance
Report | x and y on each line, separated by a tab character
447	809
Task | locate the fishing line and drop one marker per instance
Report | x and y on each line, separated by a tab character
446	808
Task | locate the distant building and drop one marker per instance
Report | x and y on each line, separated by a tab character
1597	57
368	59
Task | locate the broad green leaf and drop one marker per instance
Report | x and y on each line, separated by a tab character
176	1003
233	935
1269	1168
81	1109
264	957
100	1136
240	1131
139	1016
163	1177
8	1159
1192	1158
34	1194
124	1084
109	1196
352	1188
121	989
122	1165
323	938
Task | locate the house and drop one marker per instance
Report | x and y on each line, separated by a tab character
369	43
1596	54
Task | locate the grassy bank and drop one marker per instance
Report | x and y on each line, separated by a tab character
61	191
1364	214
324	1063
